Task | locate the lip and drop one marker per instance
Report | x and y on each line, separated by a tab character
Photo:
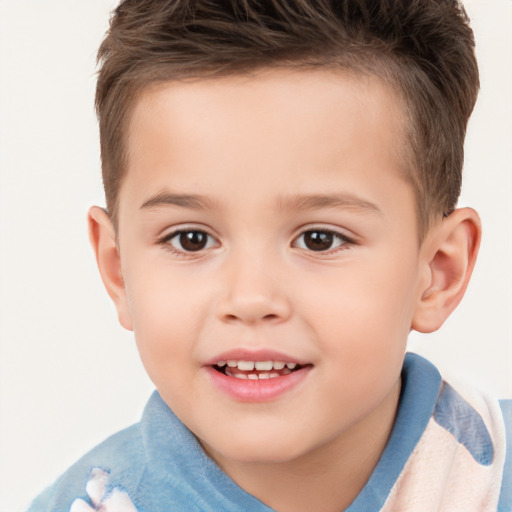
254	391
257	390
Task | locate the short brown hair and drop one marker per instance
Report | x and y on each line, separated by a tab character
424	48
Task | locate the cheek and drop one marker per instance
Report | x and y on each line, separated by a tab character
166	313
363	315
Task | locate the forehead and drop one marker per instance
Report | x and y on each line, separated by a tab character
284	122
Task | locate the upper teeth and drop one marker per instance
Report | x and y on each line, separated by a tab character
247	366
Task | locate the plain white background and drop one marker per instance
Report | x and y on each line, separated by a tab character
69	375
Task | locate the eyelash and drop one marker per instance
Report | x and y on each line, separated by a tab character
343	240
166	240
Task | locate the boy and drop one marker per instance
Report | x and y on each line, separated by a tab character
281	181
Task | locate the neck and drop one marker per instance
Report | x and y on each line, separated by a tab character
327	479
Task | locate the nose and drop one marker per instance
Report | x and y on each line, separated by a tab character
254	291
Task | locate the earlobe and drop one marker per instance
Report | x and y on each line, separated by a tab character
103	240
449	256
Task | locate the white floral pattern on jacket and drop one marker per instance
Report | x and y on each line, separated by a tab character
115	501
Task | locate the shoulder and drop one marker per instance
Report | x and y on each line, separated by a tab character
457	454
473	419
472	423
156	465
480	427
122	456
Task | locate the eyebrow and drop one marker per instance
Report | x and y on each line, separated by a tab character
193	201
319	201
294	202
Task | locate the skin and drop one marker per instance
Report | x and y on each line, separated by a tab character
256	150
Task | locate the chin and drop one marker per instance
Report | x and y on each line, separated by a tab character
257	450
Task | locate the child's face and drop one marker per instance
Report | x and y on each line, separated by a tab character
267	219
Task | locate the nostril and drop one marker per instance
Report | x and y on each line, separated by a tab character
234	318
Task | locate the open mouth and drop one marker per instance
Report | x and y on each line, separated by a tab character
256	370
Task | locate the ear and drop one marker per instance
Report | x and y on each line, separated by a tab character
103	240
448	257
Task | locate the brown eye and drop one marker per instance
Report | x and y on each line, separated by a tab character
191	240
320	240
